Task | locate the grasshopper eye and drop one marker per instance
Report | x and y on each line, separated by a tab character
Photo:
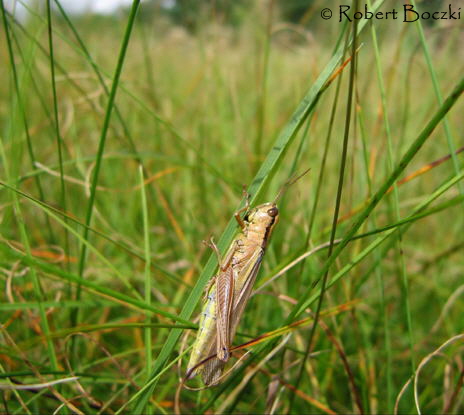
273	212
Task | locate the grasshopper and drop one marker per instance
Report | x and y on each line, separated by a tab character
229	290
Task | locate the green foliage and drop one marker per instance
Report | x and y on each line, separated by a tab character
119	162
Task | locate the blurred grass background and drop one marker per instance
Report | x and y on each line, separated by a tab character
205	90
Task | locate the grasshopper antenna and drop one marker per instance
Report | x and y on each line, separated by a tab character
288	183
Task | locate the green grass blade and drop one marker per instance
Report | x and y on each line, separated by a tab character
147	287
56	119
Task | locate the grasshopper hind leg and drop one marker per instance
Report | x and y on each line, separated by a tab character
225	297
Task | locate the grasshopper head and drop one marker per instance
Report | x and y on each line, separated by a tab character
265	215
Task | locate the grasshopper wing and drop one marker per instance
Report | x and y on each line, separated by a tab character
244	286
212	370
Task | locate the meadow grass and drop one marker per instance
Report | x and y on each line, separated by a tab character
126	142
